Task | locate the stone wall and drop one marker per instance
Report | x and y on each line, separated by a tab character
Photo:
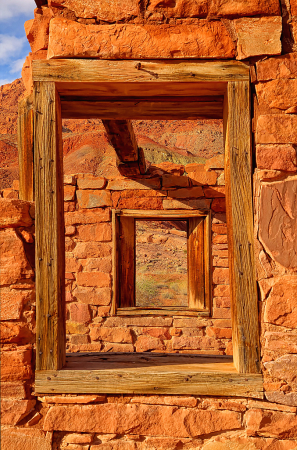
263	34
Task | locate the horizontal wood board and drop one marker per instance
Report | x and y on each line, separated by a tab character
145	374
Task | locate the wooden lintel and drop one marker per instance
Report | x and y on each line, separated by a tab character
94	70
25	148
121	136
143	109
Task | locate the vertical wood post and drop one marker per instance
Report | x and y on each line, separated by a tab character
25	148
239	209
50	240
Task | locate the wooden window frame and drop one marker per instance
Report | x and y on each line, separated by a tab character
198	262
76	88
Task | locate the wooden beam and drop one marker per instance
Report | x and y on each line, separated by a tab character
195	254
129	71
143	110
239	210
127	262
25	148
146	373
130	169
50	237
121	136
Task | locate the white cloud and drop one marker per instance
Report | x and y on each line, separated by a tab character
6	81
13	8
10	47
17	65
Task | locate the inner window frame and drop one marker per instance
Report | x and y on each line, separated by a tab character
199	289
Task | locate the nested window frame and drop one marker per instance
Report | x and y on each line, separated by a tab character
108	90
198	261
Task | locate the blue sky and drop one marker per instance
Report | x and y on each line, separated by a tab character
14	46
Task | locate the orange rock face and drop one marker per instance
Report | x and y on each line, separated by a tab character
151	420
180	8
37	29
109	11
221	8
280	306
258	36
14	213
277	129
277	157
204	40
278	220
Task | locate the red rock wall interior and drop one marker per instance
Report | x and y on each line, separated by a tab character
261	33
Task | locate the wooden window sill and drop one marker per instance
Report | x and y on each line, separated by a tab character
162	311
148	373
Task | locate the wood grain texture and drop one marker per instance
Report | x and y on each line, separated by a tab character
239	210
160	214
195	255
115	263
207	263
162	311
25	148
144	373
88	70
127	262
142	110
130	169
121	136
50	239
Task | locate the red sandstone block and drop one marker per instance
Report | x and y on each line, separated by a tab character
13	411
14	213
13	390
187	193
72	265
281	342
199	175
79	312
79	339
220	239
280	306
220	261
99	296
221	291
12	304
13	332
277	157
147	343
76	438
170	168
222	323
93	199
219	333
25	439
88	181
101	9
97	279
139	321
69	179
139	193
92	250
194	342
277	94
76	328
70	230
214	191
219	205
186	204
69	193
115	347
69	207
233	8
169	181
277	129
220	276
222	302
191	322
94	232
123	184
221	313
179	8
160	333
283	66
219	228
98	264
74	399
10	193
274	424
84	217
103	311
192	332
114	334
258	36
85	348
127	41
140	203
37	29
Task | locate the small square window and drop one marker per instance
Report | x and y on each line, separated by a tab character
161	262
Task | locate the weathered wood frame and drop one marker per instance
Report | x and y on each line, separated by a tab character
198	255
83	83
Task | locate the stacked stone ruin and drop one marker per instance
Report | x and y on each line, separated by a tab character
262	34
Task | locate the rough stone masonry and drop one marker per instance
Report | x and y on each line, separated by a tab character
262	34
